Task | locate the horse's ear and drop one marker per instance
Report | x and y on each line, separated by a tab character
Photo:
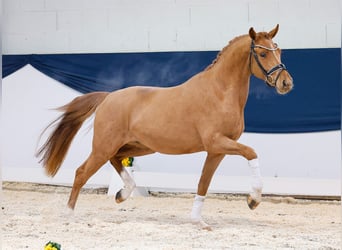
252	33
273	32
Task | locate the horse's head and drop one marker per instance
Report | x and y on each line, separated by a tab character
265	62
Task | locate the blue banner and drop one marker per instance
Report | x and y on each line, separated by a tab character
313	104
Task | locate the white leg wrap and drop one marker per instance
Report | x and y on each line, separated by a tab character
128	182
256	176
197	208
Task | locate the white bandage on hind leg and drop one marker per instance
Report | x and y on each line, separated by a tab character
197	208
128	182
127	179
256	176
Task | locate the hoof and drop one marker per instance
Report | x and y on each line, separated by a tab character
124	194
205	226
118	197
252	203
202	225
68	212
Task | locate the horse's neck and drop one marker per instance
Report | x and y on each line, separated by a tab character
230	74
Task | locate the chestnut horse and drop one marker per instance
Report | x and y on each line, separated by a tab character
205	113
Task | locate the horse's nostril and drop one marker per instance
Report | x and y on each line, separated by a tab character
285	83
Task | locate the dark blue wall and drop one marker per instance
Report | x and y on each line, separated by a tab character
313	105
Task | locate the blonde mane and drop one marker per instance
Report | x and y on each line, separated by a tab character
219	54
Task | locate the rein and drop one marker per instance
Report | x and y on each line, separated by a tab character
268	74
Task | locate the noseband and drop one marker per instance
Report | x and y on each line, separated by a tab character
268	74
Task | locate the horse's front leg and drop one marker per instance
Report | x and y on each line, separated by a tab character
222	144
211	163
218	148
254	198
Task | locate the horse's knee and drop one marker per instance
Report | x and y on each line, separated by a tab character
249	153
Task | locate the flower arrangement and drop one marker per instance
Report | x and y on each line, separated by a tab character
127	162
52	246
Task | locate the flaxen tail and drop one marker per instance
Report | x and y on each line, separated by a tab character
53	151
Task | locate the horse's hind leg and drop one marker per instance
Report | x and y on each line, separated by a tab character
128	181
132	149
83	173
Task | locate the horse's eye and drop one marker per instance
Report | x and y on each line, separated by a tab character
263	54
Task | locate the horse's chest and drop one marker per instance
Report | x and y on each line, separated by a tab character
231	125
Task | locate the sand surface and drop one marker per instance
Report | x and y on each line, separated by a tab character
34	214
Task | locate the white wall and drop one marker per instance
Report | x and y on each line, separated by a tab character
80	26
28	104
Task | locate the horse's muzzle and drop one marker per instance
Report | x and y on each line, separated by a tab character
284	84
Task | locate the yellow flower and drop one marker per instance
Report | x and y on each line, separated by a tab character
127	162
52	246
48	247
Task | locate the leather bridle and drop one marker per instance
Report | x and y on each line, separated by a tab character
268	74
